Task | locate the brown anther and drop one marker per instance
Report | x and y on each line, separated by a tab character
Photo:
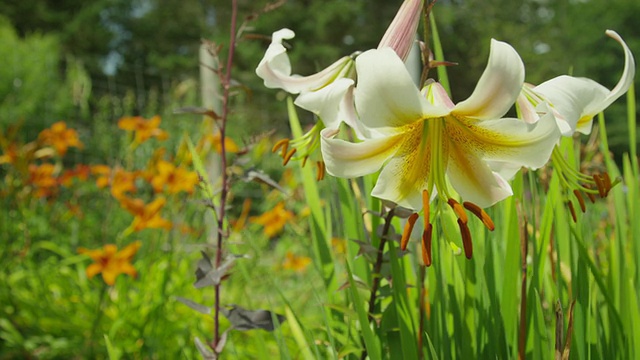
284	144
600	184
480	214
607	183
408	228
466	239
459	210
321	169
304	160
286	158
425	205
589	194
426	245
578	195
572	211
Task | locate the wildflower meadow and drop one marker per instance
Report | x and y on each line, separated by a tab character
332	179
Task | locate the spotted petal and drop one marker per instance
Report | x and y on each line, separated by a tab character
498	87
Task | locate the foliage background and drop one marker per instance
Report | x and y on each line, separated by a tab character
92	62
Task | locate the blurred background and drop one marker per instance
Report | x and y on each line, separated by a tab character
91	62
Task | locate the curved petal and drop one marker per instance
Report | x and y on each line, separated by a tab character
507	140
498	87
506	170
472	178
623	84
571	97
275	68
93	270
386	96
333	103
348	160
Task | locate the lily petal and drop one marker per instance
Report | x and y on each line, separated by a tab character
348	160
473	179
578	100
393	182
498	87
508	140
571	97
386	97
401	34
275	68
333	104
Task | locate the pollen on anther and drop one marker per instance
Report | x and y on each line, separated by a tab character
284	144
572	211
426	245
408	228
459	210
600	184
578	195
425	205
288	157
466	239
480	214
321	170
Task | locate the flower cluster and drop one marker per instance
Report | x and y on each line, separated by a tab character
428	148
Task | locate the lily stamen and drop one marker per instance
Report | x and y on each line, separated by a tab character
426	245
480	214
580	200
321	169
572	211
408	228
284	144
287	157
458	209
466	239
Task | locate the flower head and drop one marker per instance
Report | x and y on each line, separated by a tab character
175	179
575	101
423	136
111	262
43	179
430	148
273	220
146	216
143	129
60	137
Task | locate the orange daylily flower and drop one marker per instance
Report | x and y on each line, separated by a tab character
60	137
215	140
146	216
111	262
80	172
175	178
295	262
121	181
144	129
42	178
10	154
273	220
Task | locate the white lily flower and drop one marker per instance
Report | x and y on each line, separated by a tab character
575	101
425	142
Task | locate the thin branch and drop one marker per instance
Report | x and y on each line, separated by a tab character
226	81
